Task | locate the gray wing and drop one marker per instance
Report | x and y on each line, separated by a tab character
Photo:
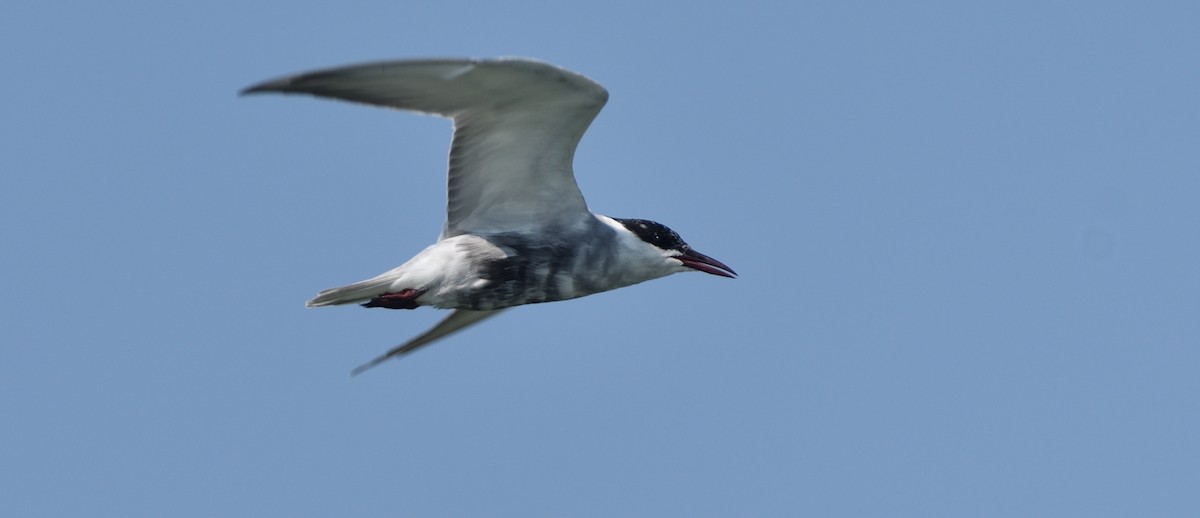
516	125
457	320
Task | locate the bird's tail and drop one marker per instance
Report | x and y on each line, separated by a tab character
361	291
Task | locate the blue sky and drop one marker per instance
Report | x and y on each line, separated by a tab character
968	238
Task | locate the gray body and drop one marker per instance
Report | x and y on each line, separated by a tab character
555	265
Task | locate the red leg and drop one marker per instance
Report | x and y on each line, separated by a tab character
403	299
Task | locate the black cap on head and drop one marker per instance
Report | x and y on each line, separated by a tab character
655	233
662	237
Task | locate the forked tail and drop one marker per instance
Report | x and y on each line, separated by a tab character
358	292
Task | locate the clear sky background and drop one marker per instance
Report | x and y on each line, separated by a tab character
968	236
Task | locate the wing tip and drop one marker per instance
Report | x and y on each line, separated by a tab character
456	321
317	79
274	85
367	366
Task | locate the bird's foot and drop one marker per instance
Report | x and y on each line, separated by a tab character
403	299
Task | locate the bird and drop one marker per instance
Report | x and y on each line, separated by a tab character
517	230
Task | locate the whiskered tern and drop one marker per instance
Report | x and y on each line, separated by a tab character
517	229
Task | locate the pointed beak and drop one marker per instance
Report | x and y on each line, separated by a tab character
698	261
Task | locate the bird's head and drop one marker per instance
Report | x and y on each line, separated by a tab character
673	249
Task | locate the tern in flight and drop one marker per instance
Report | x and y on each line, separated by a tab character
517	230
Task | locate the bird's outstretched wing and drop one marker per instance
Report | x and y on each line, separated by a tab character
456	321
516	125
